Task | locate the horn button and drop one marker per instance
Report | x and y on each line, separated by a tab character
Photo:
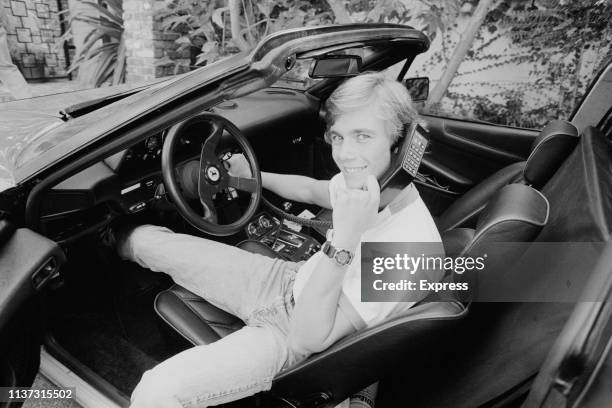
212	174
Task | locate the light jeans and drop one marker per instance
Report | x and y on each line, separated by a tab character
253	287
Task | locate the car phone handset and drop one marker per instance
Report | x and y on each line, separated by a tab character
408	155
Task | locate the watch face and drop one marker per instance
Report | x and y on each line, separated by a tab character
343	257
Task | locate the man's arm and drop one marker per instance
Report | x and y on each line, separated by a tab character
298	188
292	187
316	322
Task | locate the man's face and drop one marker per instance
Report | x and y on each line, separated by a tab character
361	146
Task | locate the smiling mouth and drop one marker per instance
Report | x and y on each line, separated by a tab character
350	170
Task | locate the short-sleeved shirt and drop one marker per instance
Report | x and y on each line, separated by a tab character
405	219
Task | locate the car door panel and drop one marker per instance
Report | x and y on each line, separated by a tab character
27	261
462	153
501	142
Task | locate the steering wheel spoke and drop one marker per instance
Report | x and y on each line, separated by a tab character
209	149
242	183
208	206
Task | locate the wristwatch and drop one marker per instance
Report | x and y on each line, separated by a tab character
342	257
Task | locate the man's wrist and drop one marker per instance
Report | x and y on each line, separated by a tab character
344	241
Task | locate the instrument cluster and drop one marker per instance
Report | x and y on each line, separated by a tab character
145	156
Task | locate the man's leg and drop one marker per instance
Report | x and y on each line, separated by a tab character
239	365
230	278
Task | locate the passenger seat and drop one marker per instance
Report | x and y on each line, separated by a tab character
552	146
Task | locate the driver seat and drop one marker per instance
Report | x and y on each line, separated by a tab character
357	360
516	214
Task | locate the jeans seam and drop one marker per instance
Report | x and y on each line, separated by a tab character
226	396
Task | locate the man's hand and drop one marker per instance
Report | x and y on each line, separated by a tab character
354	212
238	166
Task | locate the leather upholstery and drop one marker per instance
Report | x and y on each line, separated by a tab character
456	240
196	319
357	359
516	213
418	337
193	317
465	210
552	146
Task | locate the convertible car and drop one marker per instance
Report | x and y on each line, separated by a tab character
71	309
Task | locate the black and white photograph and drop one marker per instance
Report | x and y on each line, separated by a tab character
306	204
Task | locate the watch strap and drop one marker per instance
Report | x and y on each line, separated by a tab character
341	256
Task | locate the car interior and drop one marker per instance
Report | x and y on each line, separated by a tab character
109	320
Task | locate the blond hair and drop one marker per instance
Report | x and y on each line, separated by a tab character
388	98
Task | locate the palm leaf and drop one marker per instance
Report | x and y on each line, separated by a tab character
98	22
99	74
103	46
119	71
103	12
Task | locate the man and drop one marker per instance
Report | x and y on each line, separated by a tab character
291	310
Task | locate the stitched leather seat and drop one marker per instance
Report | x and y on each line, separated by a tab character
516	213
552	146
196	319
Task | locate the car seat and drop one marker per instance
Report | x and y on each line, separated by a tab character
516	214
552	146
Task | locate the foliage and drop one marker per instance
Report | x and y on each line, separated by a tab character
103	49
205	25
553	38
550	28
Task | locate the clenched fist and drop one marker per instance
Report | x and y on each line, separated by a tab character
354	212
238	166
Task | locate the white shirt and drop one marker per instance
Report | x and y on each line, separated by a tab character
405	219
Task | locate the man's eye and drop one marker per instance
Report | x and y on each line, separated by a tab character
336	138
362	137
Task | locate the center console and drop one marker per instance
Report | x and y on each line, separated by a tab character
289	244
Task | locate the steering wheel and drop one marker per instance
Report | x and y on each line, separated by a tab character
210	176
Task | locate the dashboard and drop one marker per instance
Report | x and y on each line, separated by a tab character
279	124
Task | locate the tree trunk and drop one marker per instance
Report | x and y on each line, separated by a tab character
234	12
463	46
342	16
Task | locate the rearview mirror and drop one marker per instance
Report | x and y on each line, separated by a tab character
335	66
418	88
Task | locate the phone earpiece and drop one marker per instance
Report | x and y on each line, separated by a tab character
406	153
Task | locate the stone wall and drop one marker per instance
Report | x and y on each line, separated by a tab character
32	28
150	53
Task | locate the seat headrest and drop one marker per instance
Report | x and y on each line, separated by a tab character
552	146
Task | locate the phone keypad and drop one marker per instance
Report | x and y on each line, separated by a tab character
414	154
